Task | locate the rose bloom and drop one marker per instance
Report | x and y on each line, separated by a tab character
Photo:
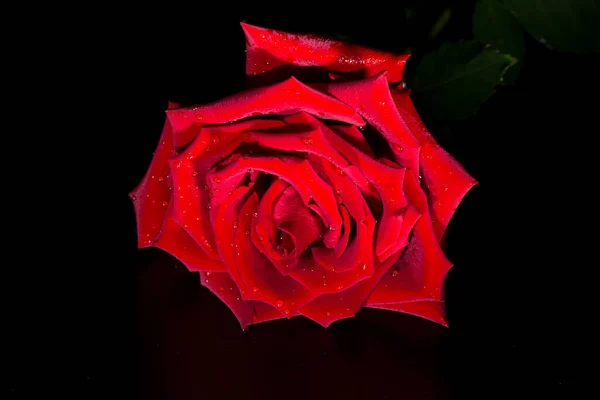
316	192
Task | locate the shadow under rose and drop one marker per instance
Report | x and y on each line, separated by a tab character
188	344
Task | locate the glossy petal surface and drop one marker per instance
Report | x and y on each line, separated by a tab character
317	193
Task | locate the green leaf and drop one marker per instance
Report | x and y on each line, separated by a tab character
493	24
453	81
563	25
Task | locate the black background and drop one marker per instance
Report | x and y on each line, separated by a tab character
143	327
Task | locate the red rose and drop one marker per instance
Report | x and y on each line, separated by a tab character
306	199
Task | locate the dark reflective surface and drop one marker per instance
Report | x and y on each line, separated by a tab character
191	345
515	295
500	294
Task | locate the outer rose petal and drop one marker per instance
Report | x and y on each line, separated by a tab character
446	180
246	312
430	310
153	190
267	49
420	272
329	308
284	98
174	240
371	98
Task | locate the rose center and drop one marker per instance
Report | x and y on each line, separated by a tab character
298	226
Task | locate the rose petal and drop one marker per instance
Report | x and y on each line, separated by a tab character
188	211
446	180
174	240
264	312
226	226
284	98
359	252
267	284
153	192
263	229
298	223
246	312
190	169
329	308
267	49
310	186
406	222
354	136
320	280
342	245
384	179
268	222
431	310
421	270
221	284
296	220
371	98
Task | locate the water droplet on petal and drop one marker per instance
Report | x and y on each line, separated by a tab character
247	232
255	289
340	171
308	141
217	179
133	198
165	203
234	224
215	139
160	179
328	314
321	113
279	303
229	193
195	174
208	273
364	267
198	117
394	272
397	147
255	214
287	311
